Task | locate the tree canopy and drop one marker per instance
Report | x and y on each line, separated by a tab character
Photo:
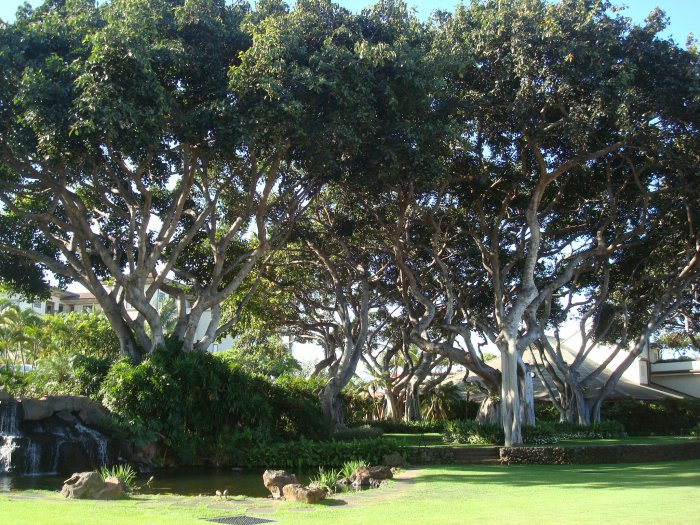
384	182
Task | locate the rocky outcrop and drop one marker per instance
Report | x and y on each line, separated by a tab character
83	485
275	480
361	477
89	485
380	472
301	494
370	476
113	488
87	410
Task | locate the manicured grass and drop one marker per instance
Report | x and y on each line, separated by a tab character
620	494
643	440
434	440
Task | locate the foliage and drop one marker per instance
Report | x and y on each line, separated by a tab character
349	467
444	402
124	473
358	432
544	433
650	418
261	353
66	374
408	427
304	454
472	432
541	434
200	405
325	479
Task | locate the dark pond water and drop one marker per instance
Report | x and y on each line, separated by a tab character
181	481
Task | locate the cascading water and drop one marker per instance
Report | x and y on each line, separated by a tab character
8	435
98	450
58	444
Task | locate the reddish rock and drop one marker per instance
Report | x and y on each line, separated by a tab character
275	480
114	488
83	485
296	492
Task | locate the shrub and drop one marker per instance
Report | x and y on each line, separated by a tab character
125	473
645	418
198	405
326	479
349	467
408	427
310	454
541	434
361	432
601	430
473	433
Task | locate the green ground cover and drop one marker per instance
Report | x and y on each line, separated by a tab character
571	495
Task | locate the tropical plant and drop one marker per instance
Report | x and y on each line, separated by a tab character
326	479
124	472
349	467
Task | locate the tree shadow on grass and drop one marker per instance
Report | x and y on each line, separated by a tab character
620	476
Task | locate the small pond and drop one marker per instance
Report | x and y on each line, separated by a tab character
181	481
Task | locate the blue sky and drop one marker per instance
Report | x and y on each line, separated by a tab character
684	14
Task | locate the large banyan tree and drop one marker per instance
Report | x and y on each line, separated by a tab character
169	145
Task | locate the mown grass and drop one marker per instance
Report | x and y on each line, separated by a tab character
435	440
620	494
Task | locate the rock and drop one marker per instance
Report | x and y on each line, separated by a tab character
361	477
394	460
66	416
4	394
83	485
297	492
380	472
113	488
37	409
275	480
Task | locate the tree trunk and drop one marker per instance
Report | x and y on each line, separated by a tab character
489	412
510	398
412	407
331	403
527	394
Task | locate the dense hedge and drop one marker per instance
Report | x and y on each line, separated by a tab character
407	427
595	455
304	453
654	418
473	433
200	406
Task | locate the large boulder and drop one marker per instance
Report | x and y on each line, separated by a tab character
297	492
275	480
380	472
113	488
89	412
361	477
83	485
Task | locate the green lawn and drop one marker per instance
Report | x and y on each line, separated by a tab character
621	494
434	440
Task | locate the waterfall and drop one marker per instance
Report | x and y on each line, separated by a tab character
52	444
8	419
8	435
33	455
100	445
